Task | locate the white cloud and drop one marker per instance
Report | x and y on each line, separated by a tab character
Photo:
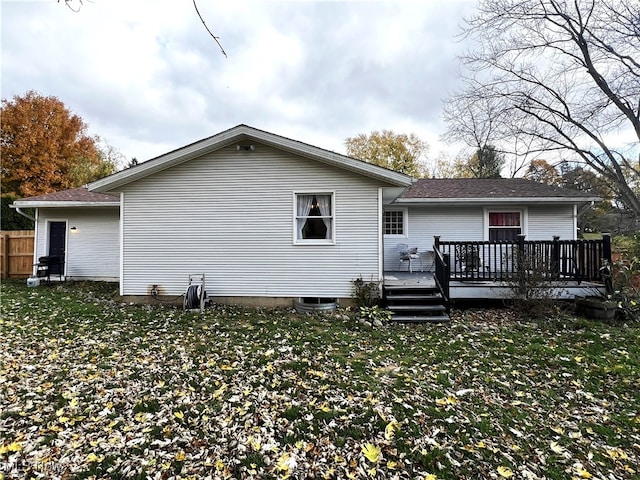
148	78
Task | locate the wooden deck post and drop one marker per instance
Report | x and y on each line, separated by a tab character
606	246
555	258
606	254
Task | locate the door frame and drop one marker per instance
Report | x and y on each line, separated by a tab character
47	243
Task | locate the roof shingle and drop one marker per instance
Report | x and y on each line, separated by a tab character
81	194
498	188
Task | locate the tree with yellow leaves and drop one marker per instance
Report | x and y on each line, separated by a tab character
46	147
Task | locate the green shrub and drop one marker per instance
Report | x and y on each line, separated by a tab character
365	294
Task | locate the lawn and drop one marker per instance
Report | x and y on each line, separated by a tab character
91	388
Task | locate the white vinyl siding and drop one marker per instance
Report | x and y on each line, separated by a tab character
550	220
229	215
451	223
92	252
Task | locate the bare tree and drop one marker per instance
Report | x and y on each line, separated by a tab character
555	76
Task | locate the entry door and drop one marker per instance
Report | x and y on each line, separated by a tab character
57	242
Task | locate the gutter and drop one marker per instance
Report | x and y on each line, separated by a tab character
62	203
486	200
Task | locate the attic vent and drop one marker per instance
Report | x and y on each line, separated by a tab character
245	148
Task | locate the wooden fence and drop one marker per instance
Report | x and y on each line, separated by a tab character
16	253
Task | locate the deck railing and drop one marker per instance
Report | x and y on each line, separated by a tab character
442	275
578	260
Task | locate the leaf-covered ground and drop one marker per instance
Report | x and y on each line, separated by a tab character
91	388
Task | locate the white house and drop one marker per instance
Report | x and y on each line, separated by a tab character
269	220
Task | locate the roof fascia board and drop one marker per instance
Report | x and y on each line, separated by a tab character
243	133
485	201
60	204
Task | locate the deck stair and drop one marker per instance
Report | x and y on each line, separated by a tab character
416	304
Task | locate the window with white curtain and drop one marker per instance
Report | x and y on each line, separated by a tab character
314	217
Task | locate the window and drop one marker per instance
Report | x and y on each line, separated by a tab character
394	222
314	217
504	226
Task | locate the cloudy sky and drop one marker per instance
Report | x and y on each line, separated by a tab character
147	78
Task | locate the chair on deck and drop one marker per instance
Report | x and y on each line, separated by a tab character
469	261
408	255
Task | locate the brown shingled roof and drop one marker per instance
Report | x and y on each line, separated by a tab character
497	188
81	194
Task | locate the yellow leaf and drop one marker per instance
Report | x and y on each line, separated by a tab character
219	465
93	458
505	472
178	414
254	443
559	449
12	447
181	456
391	465
140	416
559	430
583	473
391	429
430	476
449	400
283	463
371	452
577	359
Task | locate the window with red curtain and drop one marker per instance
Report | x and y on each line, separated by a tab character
504	226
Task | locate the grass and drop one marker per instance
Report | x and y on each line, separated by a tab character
91	388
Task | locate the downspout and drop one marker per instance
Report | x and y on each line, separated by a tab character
26	215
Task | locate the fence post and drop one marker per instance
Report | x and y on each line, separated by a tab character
4	256
436	242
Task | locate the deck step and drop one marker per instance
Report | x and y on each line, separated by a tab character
417	308
413	286
421	318
414	296
416	303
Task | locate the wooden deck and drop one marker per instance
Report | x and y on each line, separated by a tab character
481	289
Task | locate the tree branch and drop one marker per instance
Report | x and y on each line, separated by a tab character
207	28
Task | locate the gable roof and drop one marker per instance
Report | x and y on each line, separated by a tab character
75	197
244	133
489	190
